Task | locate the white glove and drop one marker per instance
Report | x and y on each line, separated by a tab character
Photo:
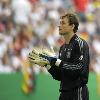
48	52
36	59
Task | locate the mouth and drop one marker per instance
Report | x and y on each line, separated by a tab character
60	29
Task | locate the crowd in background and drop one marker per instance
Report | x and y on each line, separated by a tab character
25	24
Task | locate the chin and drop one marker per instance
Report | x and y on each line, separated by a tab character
61	33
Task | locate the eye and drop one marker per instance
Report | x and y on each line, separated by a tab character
62	22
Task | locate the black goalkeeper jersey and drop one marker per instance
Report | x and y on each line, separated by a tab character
73	70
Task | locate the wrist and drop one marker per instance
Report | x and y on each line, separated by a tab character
57	63
48	67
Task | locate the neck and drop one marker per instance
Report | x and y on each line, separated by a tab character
68	37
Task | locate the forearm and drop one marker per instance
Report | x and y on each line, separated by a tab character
55	72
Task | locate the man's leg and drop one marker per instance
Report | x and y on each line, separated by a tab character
83	93
76	94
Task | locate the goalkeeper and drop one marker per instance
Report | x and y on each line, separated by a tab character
72	66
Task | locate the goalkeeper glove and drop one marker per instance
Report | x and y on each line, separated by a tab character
47	52
51	60
50	56
36	59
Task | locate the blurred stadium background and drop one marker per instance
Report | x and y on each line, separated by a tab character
25	24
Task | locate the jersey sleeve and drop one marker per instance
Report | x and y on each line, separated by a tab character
55	71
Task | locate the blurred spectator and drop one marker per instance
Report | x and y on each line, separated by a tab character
31	23
21	10
81	6
5	10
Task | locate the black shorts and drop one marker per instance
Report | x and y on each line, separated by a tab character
75	94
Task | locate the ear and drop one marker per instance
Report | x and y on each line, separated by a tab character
73	26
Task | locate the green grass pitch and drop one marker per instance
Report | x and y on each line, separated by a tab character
46	88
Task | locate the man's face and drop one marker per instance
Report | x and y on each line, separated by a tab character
64	27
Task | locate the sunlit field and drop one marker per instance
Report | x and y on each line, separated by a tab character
46	88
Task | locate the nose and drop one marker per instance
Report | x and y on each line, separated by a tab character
58	26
